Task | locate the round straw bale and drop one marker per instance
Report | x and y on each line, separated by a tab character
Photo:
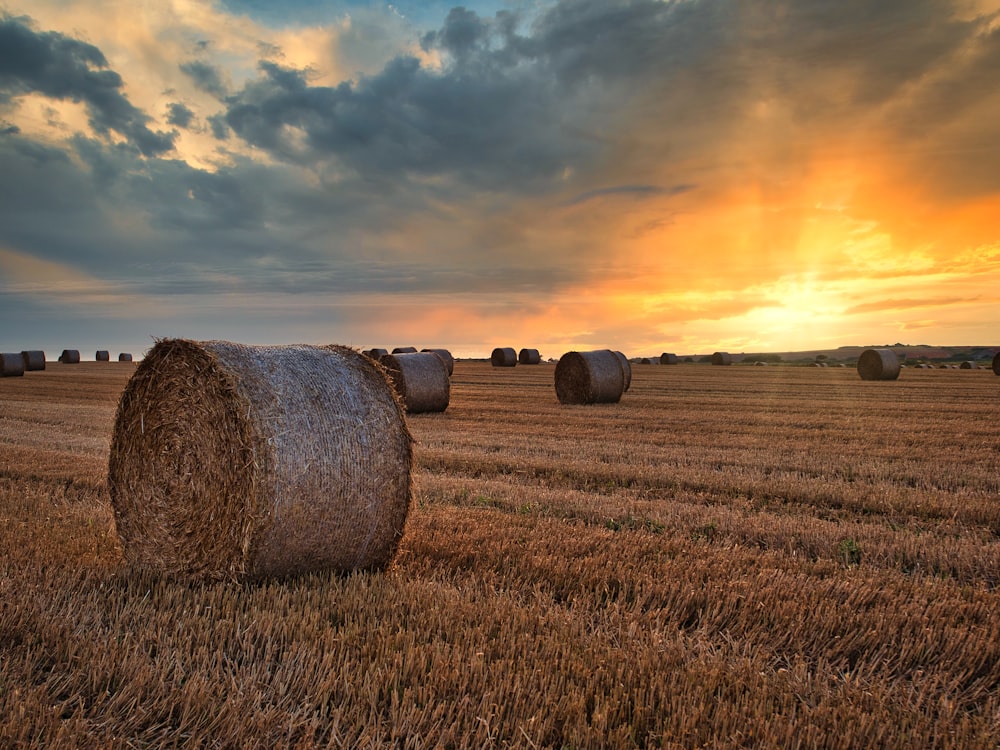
529	357
595	377
968	365
878	364
405	350
11	365
231	461
102	355
70	357
722	358
626	369
33	360
377	354
996	363
124	357
445	356
503	357
645	360
668	358
420	379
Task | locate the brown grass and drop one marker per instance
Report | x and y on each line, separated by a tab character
731	557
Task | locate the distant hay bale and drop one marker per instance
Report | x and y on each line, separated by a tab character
11	365
626	369
646	360
405	350
968	365
445	355
70	357
124	357
503	356
722	358
102	355
996	363
376	354
420	379
878	364
595	377
33	360
668	358
231	461
529	357
758	363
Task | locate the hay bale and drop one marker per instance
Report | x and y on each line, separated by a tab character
102	355
405	350
11	365
124	357
376	354
504	357
968	365
668	359
33	360
529	357
445	355
878	364
722	358
595	377
232	461
645	360
70	357
626	369
996	363
420	379
758	363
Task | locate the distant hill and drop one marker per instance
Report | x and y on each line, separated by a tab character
850	354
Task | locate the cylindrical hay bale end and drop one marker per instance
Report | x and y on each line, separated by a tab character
445	355
529	357
668	358
420	379
968	365
722	358
124	357
102	356
233	462
593	377
503	356
33	360
11	365
626	370
405	350
996	363
70	357
878	364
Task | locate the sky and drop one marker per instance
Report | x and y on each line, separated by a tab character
647	176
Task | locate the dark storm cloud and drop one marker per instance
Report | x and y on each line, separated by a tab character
180	115
206	77
61	67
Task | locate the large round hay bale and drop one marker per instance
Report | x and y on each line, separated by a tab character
968	365
420	379
11	365
595	377
722	358
33	360
232	461
996	363
124	357
102	355
70	357
376	353
503	356
529	357
878	364
667	358
445	355
405	350
626	369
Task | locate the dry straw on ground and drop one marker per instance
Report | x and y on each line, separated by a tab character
11	364
70	357
626	370
529	357
878	364
102	355
232	461
420	379
446	357
595	377
503	356
722	358
668	358
124	357
33	360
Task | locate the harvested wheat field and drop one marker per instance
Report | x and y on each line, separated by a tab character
729	557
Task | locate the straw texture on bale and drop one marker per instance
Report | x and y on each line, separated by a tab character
722	358
70	357
595	377
503	356
33	360
668	359
420	379
232	462
626	369
996	363
445	355
529	357
124	357
968	365
102	355
376	354
405	350
11	365
878	364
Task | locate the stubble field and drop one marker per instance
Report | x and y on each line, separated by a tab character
730	557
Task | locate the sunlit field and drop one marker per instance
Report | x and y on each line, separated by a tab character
730	557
